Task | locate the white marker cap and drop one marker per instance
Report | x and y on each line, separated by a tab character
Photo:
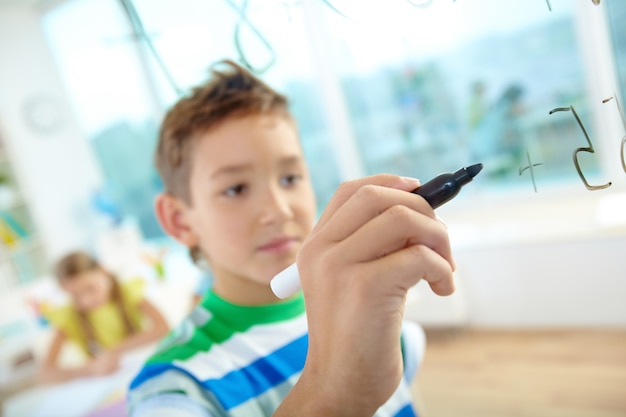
287	282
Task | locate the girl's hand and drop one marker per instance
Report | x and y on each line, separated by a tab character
374	241
104	364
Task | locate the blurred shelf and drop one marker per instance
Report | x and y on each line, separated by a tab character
22	257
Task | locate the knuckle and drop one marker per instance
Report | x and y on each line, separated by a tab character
345	187
419	252
400	213
368	192
352	186
442	238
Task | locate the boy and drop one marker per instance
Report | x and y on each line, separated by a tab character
237	193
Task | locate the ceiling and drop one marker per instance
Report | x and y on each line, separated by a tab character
42	5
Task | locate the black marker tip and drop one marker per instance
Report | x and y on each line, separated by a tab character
445	186
473	170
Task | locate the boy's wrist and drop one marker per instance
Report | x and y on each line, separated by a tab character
314	395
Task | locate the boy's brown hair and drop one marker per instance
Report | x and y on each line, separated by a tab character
230	93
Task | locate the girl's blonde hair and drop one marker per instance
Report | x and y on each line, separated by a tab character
70	267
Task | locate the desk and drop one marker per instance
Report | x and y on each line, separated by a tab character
82	397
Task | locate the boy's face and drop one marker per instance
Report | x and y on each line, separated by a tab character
252	203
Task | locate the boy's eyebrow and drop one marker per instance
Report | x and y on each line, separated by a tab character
291	160
231	169
235	169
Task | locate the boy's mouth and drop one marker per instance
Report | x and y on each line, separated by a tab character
279	245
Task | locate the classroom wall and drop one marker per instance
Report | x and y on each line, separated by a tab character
554	259
570	283
55	167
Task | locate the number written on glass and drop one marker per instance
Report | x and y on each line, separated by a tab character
588	149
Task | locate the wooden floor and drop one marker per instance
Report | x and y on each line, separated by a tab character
524	374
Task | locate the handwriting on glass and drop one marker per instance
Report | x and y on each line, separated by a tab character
621	115
596	2
530	169
590	149
581	149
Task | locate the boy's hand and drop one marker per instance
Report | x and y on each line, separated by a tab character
374	241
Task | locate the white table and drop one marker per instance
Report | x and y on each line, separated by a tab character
79	397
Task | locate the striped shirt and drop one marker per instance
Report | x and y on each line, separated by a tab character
227	360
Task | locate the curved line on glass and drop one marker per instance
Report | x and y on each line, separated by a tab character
588	149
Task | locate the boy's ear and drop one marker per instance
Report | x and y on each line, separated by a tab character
172	214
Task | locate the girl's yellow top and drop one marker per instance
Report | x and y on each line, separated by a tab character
107	321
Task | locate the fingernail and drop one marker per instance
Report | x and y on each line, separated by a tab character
410	180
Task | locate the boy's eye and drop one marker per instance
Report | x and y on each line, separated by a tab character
235	190
289	180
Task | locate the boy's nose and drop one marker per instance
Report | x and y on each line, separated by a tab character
276	207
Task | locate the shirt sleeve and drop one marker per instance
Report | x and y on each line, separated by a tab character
65	319
155	392
133	290
169	405
58	316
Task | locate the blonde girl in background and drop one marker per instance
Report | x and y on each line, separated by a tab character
105	318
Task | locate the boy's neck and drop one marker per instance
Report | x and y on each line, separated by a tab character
244	292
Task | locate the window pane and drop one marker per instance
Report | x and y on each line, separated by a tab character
617	17
115	105
431	89
106	64
428	89
191	35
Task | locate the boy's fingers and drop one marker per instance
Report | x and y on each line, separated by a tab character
403	269
347	189
368	202
395	229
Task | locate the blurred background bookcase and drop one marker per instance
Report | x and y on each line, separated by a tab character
21	252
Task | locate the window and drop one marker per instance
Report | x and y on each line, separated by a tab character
114	101
617	16
376	86
430	89
189	36
121	90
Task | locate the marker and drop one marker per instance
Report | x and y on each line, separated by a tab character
436	192
444	187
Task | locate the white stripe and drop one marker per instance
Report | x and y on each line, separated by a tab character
414	340
266	403
400	398
243	348
167	405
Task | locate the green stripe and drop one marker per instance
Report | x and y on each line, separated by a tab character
226	320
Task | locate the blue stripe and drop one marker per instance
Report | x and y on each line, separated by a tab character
406	411
249	382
